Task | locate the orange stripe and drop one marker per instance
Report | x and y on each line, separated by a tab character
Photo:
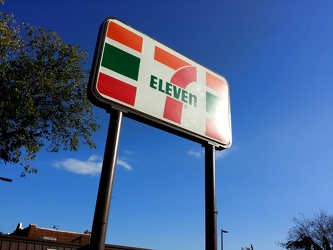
213	130
168	59
215	83
124	36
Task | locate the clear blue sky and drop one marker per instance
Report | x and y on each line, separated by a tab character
278	59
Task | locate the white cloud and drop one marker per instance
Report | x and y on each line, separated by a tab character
128	152
92	166
196	154
219	154
124	164
223	153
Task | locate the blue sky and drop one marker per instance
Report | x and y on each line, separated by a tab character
278	59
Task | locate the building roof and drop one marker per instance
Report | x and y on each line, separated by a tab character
34	232
36	238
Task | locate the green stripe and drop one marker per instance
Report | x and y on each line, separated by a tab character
212	103
121	62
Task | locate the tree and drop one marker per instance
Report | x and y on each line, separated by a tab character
311	233
42	93
247	248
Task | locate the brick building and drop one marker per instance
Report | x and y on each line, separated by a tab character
34	232
35	238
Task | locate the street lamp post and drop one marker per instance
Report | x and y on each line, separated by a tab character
222	231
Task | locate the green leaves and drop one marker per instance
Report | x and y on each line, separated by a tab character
42	93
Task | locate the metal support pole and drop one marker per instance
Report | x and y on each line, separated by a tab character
210	198
99	227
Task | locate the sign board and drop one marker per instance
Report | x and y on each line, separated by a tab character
153	83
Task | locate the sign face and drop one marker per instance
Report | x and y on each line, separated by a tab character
137	74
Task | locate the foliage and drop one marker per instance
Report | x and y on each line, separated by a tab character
42	93
247	248
311	233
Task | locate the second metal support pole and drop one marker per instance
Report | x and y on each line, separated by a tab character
210	198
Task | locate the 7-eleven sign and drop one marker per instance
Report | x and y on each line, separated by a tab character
152	82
